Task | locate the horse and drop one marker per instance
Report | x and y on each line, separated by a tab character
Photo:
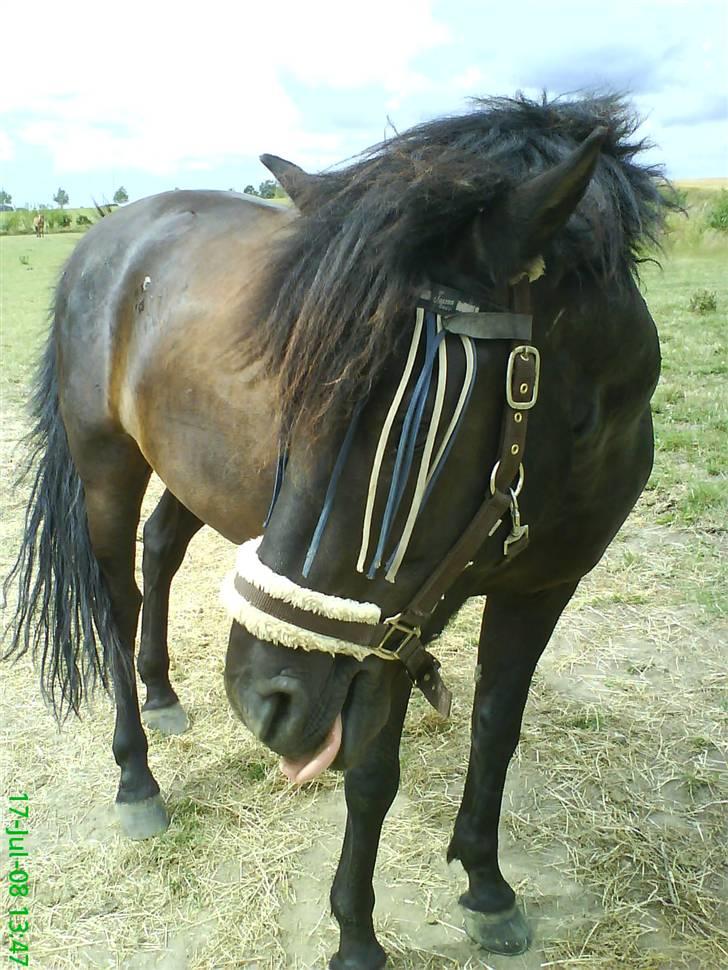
357	373
39	225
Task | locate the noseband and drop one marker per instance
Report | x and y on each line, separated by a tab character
274	608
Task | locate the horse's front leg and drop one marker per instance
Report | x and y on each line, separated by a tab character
514	633
370	789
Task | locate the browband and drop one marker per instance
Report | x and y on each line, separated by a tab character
461	314
490	326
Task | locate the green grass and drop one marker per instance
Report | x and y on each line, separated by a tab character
688	485
20	222
29	268
699	199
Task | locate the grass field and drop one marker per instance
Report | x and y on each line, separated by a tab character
20	222
710	185
614	822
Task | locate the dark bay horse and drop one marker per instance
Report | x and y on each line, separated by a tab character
224	342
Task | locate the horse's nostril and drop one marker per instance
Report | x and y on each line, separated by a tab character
261	713
270	708
283	684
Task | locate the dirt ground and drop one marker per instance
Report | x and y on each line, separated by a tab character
613	830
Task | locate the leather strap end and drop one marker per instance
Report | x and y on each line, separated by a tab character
435	692
424	672
430	682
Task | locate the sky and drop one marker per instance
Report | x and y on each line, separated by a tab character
155	95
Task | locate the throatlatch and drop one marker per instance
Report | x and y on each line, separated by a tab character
274	608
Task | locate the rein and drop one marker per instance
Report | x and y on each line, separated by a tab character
274	608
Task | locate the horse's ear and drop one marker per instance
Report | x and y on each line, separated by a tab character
538	208
297	183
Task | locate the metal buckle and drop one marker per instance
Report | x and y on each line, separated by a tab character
519	484
526	351
518	531
396	626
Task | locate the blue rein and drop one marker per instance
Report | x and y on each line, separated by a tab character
278	484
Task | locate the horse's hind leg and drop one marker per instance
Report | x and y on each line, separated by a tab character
115	476
167	534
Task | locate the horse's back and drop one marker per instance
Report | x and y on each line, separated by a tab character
149	305
172	234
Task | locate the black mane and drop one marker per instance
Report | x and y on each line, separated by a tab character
336	294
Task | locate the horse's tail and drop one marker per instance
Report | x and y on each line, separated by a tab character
63	606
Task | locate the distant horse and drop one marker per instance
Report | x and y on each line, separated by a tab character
370	359
39	225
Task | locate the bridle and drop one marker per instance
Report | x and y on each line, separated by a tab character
347	626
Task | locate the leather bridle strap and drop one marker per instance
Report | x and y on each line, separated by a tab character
349	631
409	650
521	393
521	389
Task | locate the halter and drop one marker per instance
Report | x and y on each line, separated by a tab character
274	608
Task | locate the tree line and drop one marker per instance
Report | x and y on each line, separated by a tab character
268	189
61	198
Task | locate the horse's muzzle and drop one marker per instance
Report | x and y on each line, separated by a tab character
315	710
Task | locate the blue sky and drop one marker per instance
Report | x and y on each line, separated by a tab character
154	95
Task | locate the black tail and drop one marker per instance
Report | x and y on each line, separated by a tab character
63	608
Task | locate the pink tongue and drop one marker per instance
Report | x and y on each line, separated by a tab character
300	771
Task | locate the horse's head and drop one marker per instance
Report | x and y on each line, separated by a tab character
370	504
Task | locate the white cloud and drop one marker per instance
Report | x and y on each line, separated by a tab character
469	80
159	86
163	87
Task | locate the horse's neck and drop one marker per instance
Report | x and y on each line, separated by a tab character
606	333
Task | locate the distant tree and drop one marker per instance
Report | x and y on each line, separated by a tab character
250	190
61	198
267	189
5	198
121	195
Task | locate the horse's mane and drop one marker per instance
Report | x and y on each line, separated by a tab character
339	287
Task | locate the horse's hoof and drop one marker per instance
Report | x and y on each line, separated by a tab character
504	933
364	958
142	820
167	720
